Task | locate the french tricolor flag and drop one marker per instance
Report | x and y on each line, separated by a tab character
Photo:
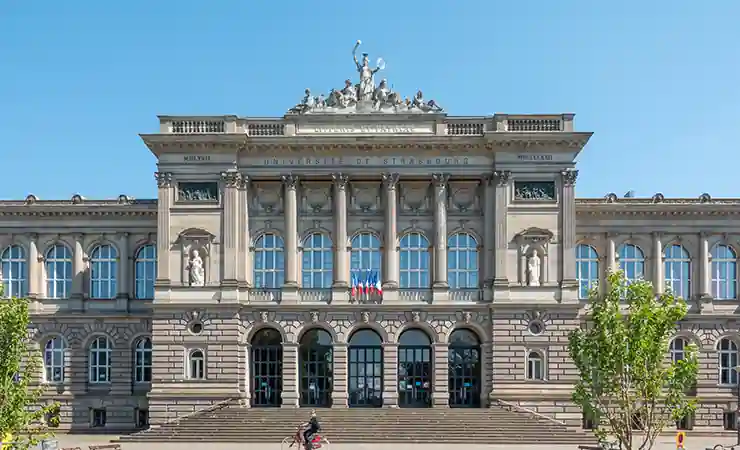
369	283
378	285
354	285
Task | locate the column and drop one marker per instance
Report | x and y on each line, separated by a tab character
440	225
34	269
230	217
390	183
489	235
164	201
290	183
244	266
124	272
341	272
339	394
501	206
78	274
568	217
705	270
658	283
610	262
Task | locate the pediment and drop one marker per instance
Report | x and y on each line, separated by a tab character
534	234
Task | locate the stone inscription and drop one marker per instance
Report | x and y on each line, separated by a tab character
364	129
372	161
196	158
529	157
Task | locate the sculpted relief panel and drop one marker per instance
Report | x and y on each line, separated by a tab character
267	198
415	197
464	197
364	197
316	198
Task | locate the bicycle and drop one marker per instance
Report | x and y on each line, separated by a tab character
317	441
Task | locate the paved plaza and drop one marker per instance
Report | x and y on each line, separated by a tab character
83	441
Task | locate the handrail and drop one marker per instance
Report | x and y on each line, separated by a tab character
207	409
510	405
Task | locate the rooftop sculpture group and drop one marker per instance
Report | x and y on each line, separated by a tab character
365	96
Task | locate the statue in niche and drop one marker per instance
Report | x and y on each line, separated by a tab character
533	269
196	270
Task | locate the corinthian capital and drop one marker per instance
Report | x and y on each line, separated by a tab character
502	177
440	179
231	178
290	181
569	177
390	180
340	180
164	179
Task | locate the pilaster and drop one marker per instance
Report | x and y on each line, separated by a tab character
390	375
164	238
390	281
489	235
230	224
124	272
440	393
341	271
290	288
569	284
657	260
440	286
501	211
78	274
705	271
244	260
290	375
339	394
34	269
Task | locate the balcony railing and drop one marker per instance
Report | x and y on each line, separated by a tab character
261	295
315	295
415	295
466	295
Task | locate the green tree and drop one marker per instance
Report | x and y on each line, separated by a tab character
628	382
22	418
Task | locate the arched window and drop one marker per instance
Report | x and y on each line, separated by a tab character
677	348
678	270
587	269
365	369
724	272
727	353
14	274
535	366
99	360
103	272
269	262
462	261
317	262
145	271
54	360
267	368
414	262
58	264
464	366
197	365
143	360
365	256
632	262
414	369
316	368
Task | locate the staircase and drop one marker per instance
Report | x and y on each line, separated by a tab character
497	425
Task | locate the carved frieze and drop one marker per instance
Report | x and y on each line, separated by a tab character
464	196
267	198
415	198
365	197
316	197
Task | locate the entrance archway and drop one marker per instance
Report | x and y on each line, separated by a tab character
316	368
267	368
365	375
414	369
464	362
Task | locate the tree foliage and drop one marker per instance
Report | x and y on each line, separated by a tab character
22	419
628	382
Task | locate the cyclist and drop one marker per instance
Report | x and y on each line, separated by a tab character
310	429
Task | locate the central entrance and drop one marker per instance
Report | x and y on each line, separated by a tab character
365	369
464	362
414	369
267	368
316	370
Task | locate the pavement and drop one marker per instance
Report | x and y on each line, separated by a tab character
83	441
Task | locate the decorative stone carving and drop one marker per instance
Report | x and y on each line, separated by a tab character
440	179
390	180
264	316
365	317
415	197
658	198
31	199
231	179
502	177
467	317
196	270
569	177
365	96
340	180
316	197
77	199
415	316
197	191
125	199
464	196
314	316
290	181
164	179
364	197
705	198
611	197
268	198
534	190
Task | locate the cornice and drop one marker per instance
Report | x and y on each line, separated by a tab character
77	206
657	206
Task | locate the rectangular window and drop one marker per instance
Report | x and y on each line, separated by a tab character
97	418
730	420
142	417
686	423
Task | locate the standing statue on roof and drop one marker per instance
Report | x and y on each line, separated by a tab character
367	81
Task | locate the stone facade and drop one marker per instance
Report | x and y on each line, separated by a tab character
469	223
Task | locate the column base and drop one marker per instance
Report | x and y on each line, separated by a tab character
340	295
390	294
704	302
500	290
569	291
290	400
390	399
440	292
122	302
76	303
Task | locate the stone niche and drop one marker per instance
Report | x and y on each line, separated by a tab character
533	249
201	241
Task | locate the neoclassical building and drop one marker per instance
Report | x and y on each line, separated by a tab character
236	282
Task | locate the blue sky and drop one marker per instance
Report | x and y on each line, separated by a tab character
658	82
